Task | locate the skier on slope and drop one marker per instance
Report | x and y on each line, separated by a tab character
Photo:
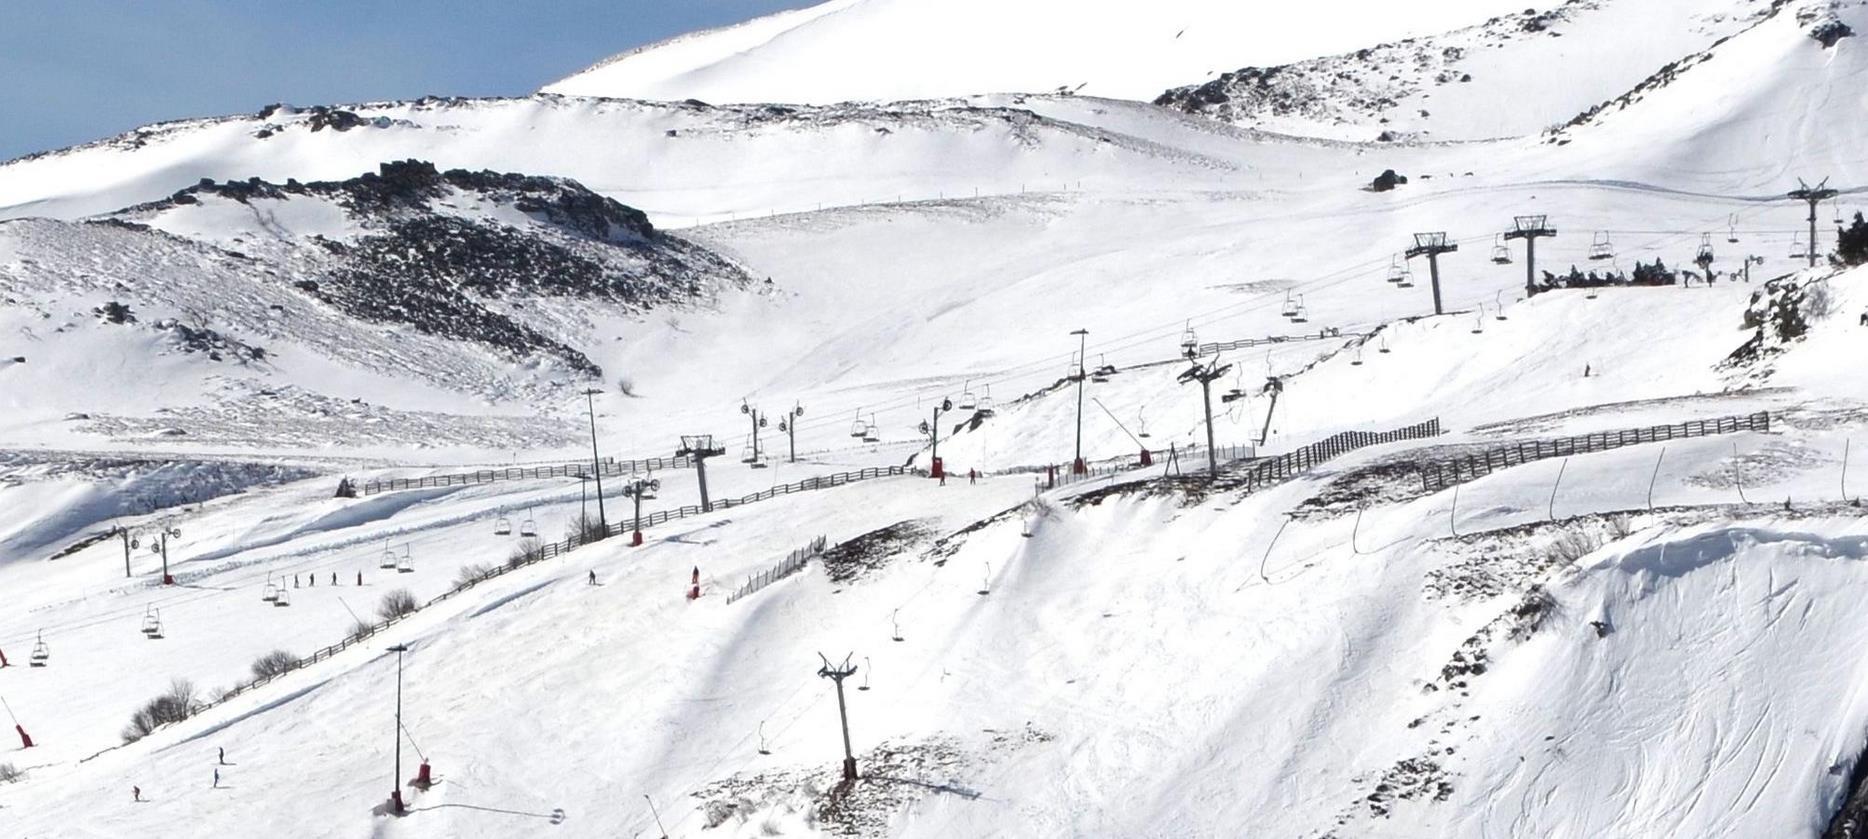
136	793
593	578
217	777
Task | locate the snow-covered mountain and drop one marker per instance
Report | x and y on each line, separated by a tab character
1613	595
886	50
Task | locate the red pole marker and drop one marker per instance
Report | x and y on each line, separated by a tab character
24	738
423	778
1147	459
3	661
694	585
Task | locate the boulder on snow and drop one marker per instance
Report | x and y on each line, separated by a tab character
1387	180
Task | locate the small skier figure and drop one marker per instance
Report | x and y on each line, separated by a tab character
222	754
333	578
359	578
136	793
943	477
217	777
1586	371
593	578
295	581
312	580
972	476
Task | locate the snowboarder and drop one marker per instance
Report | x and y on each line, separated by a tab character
222	755
972	476
136	793
311	580
1586	371
593	578
217	777
333	578
943	478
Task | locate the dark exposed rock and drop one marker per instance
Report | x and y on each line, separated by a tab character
1387	180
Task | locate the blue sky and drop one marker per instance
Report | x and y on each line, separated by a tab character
78	70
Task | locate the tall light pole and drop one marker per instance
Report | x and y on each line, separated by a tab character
596	466
395	792
788	423
932	428
1076	465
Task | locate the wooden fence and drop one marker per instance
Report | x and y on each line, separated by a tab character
610	468
791	564
1440	475
1273	470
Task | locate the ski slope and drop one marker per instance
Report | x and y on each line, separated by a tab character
1663	631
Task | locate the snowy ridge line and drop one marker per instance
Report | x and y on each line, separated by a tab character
792	564
554	549
1438	476
611	468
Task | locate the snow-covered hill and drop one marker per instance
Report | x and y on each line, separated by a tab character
885	50
1646	634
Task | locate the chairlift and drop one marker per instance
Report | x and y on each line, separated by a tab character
869	434
271	592
1498	300
40	652
1103	370
1357	361
1189	342
857	428
1704	255
152	623
1501	255
1601	248
986	406
502	526
1478	324
388	560
284	599
1835	205
528	527
1142	424
1797	251
1290	306
1384	344
1731	229
407	563
1397	272
967	401
1302	313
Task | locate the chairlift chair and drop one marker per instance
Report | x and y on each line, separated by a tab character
502	526
1731	229
1384	345
272	591
869	434
1498	301
284	599
1501	255
1189	342
1601	248
388	560
40	652
1290	306
1704	255
1302	313
1478	324
1142	424
528	527
152	623
857	428
967	400
1797	250
986	406
1357	361
1397	272
407	564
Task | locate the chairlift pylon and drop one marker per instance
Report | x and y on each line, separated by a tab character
1501	255
1601	248
41	654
